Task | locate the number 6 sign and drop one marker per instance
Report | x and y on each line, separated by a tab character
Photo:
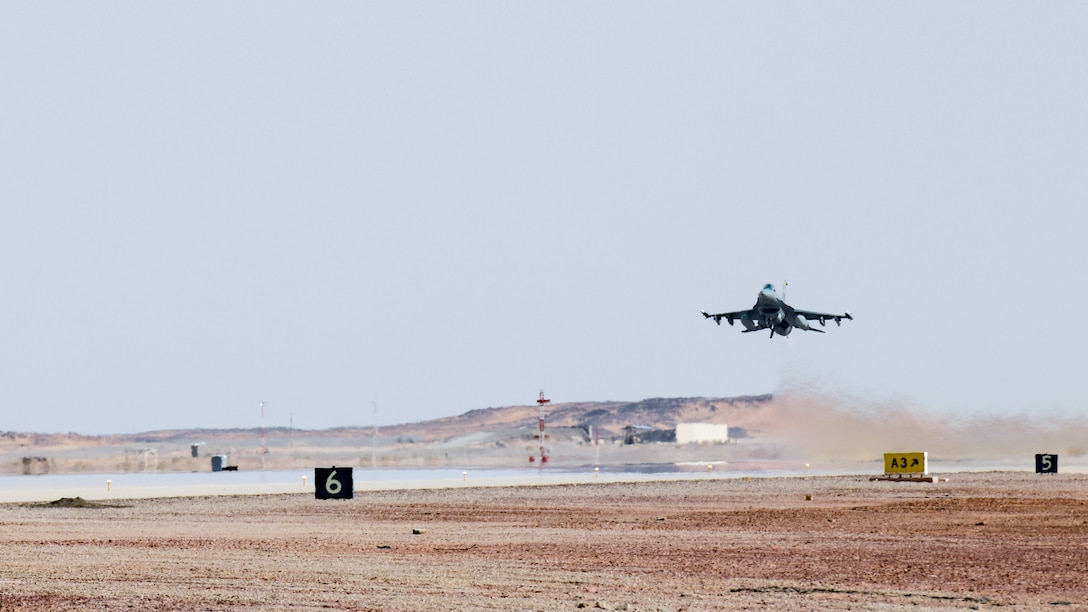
333	483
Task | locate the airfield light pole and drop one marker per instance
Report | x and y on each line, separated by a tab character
264	448
374	439
596	446
543	455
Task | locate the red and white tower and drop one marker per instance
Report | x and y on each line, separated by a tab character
543	452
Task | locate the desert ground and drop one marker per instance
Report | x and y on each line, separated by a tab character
1008	540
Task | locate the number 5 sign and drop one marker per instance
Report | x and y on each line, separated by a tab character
333	483
1046	464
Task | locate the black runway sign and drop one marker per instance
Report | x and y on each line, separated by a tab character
333	483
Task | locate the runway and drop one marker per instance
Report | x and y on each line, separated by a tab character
104	487
148	485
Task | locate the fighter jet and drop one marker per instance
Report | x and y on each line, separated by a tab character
773	313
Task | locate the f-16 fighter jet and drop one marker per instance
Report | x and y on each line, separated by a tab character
773	313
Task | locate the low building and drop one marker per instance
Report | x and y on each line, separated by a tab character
691	433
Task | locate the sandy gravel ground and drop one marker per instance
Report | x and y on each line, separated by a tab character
979	541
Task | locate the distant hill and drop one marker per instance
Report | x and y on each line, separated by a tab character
610	417
740	413
487	437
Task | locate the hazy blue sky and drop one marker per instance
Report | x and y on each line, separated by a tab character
447	206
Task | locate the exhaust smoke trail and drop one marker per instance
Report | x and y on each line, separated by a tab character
835	426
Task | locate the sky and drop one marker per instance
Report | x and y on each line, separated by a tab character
435	207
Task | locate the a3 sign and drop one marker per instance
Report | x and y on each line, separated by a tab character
1046	464
906	463
333	483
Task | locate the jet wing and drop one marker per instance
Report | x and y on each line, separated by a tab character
728	316
822	317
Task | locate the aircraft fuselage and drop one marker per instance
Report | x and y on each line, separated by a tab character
772	312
